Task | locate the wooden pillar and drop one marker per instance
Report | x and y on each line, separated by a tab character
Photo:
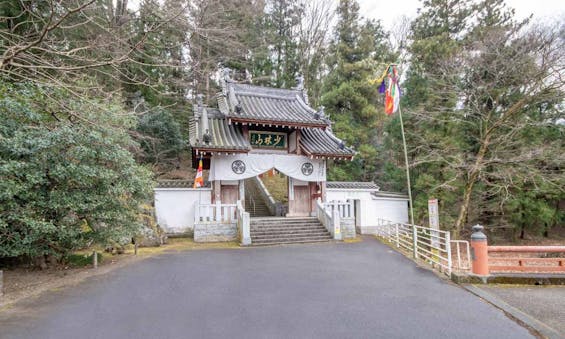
290	196
242	192
216	191
313	190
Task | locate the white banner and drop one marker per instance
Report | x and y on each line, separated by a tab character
243	166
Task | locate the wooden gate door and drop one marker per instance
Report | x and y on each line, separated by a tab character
301	201
229	194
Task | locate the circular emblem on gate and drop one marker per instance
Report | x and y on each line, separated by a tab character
307	168
238	167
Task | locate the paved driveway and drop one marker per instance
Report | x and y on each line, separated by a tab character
360	290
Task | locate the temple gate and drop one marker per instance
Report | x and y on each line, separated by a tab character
255	129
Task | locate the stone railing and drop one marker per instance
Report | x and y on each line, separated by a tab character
344	208
215	222
330	220
214	213
243	228
275	208
346	215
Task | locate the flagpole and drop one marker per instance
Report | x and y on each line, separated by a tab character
407	168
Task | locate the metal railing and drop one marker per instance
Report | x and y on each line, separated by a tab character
214	213
463	263
431	245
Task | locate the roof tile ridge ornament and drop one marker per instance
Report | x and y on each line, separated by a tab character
325	118
199	104
300	87
340	142
234	105
203	115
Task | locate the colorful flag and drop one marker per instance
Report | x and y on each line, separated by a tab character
382	87
392	94
199	181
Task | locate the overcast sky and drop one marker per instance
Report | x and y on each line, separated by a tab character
388	11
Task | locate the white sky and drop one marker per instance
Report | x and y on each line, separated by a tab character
388	11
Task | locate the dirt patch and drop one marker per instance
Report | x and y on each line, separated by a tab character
22	283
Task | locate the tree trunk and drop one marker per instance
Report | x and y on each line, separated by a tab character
472	179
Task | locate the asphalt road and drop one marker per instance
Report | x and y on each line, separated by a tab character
334	290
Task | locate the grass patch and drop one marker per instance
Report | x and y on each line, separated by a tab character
354	240
82	260
184	244
277	186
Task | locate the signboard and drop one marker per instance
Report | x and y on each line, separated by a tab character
267	139
433	212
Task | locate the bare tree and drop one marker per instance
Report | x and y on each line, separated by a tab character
508	84
66	43
314	36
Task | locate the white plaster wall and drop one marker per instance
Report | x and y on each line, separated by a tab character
174	207
395	210
370	208
342	195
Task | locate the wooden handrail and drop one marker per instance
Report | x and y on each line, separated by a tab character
526	249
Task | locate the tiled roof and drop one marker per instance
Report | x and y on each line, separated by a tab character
178	184
394	195
264	105
318	142
352	185
223	136
174	184
240	104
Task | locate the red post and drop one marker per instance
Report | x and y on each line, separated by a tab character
479	251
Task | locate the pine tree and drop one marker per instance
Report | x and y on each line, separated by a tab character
469	108
349	97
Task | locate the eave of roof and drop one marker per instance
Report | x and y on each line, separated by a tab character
224	137
352	185
322	143
264	105
390	195
283	123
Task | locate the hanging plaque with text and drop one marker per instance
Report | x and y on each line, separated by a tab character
267	139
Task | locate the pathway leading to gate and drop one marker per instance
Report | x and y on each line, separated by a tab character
330	290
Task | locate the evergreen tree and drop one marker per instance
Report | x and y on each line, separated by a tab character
351	100
465	99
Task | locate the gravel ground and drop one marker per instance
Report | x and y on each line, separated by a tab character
545	303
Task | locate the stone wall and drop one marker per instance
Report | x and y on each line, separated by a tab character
215	232
348	228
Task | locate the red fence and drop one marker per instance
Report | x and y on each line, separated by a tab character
522	259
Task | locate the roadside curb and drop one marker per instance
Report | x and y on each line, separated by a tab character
532	323
509	278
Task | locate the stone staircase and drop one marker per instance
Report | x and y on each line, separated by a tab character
254	203
280	230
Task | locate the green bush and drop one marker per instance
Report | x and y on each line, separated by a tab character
81	260
66	180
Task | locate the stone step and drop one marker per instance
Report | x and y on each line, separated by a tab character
291	241
285	227
283	222
286	219
290	236
287	230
